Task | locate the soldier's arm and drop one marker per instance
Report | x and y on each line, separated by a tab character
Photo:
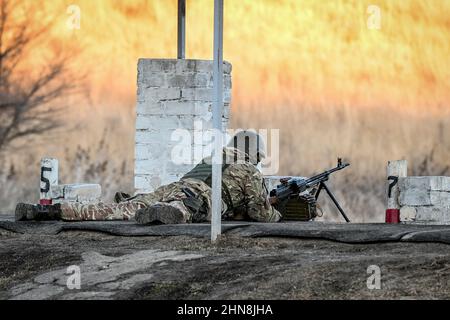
259	206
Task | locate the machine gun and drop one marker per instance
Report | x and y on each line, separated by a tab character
295	186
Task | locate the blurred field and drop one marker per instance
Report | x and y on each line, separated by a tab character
312	139
284	52
101	150
311	68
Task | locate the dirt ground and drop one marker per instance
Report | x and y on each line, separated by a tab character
111	267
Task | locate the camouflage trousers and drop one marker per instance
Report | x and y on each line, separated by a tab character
172	194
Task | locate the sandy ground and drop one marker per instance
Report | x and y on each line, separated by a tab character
181	267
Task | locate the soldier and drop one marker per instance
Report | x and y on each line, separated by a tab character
185	201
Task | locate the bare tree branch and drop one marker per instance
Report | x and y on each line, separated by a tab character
29	103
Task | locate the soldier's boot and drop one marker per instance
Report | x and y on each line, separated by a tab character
160	213
37	212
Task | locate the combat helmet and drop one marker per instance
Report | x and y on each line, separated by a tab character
251	143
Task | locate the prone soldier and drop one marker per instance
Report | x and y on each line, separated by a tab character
185	201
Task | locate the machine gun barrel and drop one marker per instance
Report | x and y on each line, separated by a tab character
298	185
325	175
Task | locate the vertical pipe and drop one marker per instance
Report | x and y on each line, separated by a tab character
181	48
216	219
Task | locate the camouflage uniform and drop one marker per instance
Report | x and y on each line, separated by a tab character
245	197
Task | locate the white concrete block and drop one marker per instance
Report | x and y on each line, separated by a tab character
423	197
414	197
147	183
158	94
430	183
157	168
179	169
153	80
440	198
147	122
408	214
440	183
179	66
174	99
83	192
435	215
146	66
77	193
140	182
197	66
144	152
151	182
192	108
152	137
153	151
163	124
421	183
149	108
414	191
174	177
425	200
203	94
197	94
200	66
189	80
57	191
149	167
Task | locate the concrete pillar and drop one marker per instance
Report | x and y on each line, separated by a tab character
174	111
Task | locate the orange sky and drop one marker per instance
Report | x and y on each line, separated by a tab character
284	52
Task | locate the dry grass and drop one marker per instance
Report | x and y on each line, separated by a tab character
285	52
312	139
102	151
95	149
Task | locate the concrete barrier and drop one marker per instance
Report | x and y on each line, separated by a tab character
424	191
84	193
425	200
174	94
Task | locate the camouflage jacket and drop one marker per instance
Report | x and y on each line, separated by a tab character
244	190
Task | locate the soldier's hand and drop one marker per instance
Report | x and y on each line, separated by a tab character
273	200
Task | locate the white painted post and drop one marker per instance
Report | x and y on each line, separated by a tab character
395	169
216	219
49	178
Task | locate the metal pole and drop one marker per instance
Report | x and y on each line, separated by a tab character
181	29
216	219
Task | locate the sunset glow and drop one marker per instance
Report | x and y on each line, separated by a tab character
290	52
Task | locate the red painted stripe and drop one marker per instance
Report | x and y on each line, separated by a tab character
45	201
392	215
